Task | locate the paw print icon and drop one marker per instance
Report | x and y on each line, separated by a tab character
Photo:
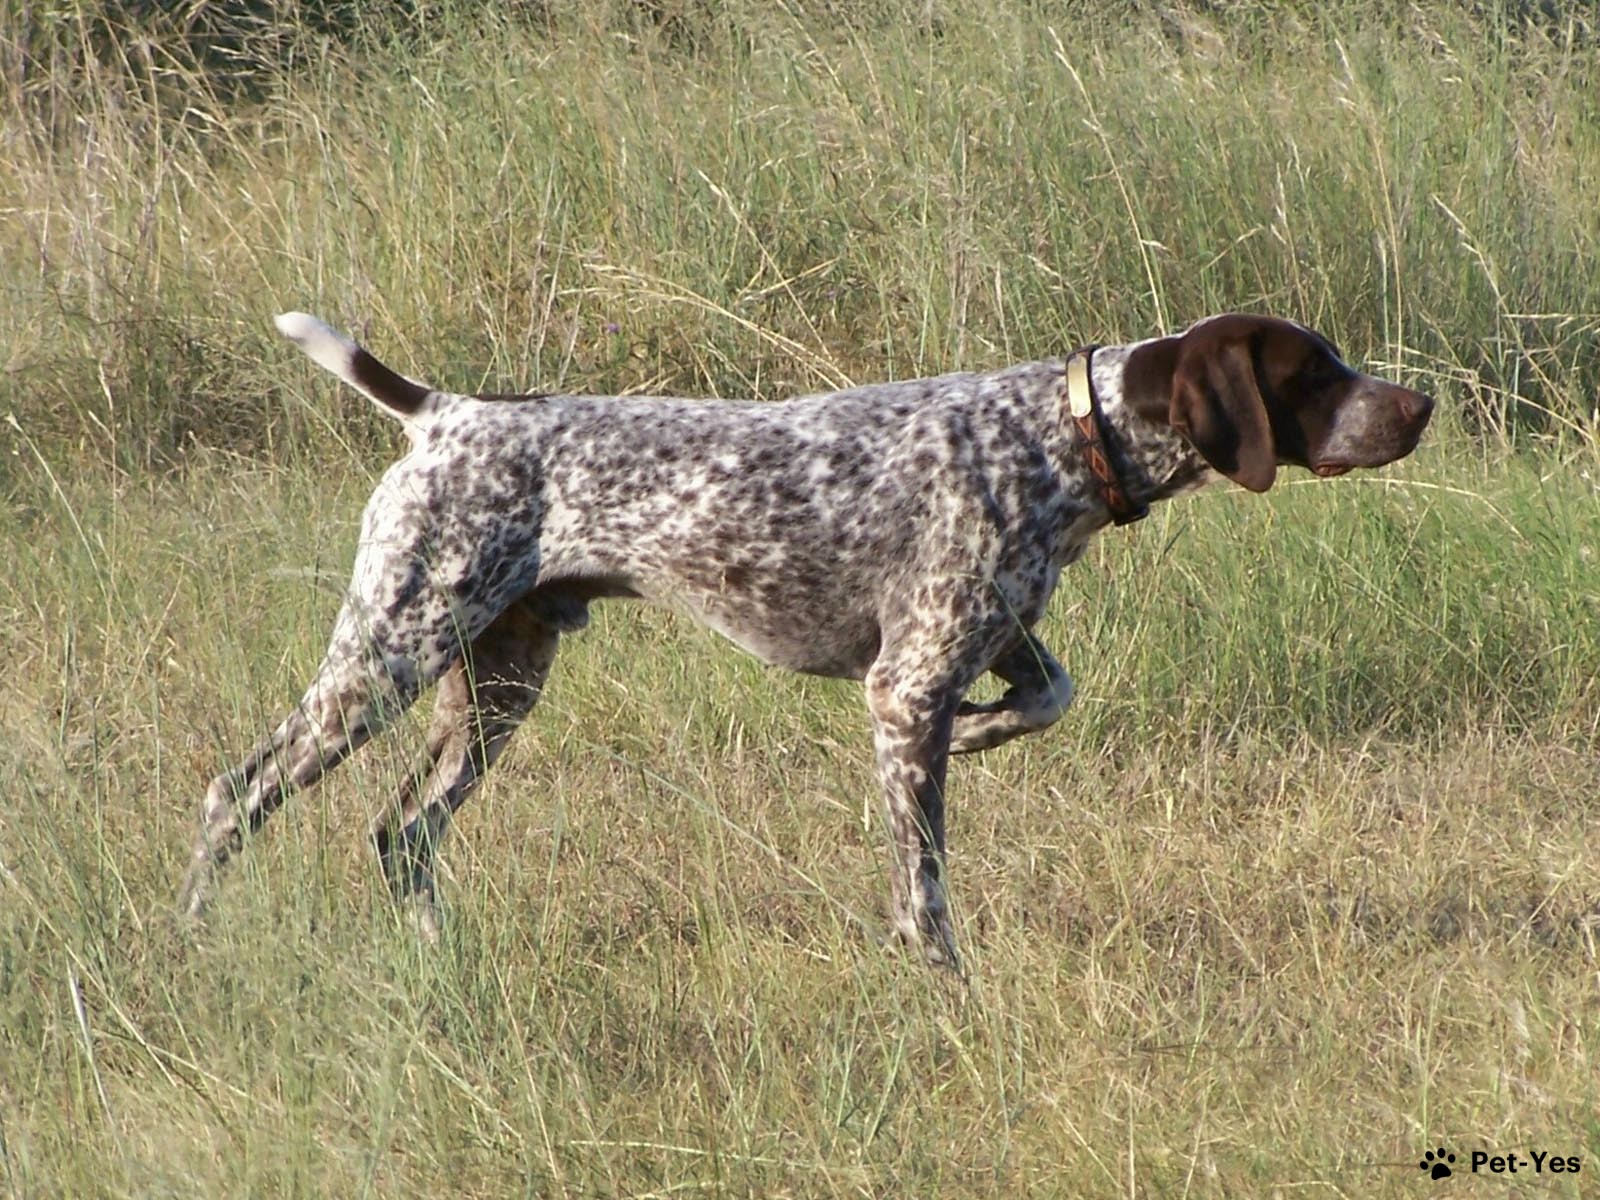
1436	1164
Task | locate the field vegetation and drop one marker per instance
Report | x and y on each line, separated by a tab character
1305	884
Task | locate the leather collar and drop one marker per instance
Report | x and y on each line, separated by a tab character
1095	438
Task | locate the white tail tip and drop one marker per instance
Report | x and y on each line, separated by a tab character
298	326
332	351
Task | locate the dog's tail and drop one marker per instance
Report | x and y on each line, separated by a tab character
398	396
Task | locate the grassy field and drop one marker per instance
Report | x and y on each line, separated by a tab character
1303	886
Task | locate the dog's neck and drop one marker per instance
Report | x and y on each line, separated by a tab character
1133	385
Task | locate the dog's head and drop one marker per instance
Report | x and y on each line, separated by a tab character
1255	393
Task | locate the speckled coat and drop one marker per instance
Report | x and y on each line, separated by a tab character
908	535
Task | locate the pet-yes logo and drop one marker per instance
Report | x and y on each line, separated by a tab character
1435	1163
1440	1163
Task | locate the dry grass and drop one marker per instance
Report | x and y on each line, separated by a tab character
1303	885
1216	949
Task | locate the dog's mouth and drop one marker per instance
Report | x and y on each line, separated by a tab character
1329	470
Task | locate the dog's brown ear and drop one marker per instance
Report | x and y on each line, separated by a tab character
1217	405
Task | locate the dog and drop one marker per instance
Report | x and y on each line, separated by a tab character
907	535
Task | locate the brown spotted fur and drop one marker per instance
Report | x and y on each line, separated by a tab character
907	535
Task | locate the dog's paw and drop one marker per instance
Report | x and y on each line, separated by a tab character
928	934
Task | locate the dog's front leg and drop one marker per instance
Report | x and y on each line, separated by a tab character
1040	692
911	720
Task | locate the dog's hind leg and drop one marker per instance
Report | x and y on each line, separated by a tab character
396	634
345	705
482	700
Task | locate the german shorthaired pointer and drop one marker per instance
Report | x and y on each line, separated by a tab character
904	534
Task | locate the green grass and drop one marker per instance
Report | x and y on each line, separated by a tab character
786	201
1302	885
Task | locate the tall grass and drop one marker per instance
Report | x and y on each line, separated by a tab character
750	199
1303	884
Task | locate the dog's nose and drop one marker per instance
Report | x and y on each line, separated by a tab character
1416	407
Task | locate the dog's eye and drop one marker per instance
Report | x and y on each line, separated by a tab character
1321	372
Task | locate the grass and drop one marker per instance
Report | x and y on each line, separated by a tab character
1303	885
